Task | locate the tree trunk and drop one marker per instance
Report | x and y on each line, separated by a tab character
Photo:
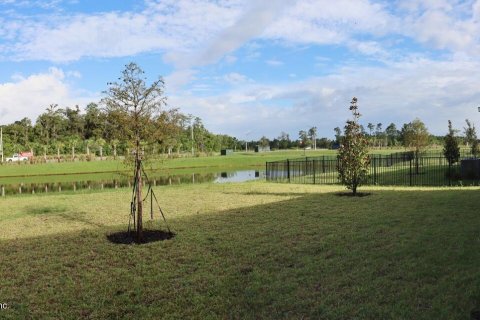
115	151
139	204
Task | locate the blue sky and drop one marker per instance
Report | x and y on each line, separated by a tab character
250	68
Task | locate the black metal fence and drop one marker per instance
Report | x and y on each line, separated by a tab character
400	169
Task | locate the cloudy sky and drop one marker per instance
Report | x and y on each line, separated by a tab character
250	68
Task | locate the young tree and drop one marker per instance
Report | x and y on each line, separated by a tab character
353	153
416	136
451	150
471	137
137	105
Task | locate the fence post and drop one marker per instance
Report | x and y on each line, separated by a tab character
374	170
313	163
323	164
266	171
288	170
449	174
410	175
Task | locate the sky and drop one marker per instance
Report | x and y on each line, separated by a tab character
250	68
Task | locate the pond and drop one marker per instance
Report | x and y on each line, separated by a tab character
124	181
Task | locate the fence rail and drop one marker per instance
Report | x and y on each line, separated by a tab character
400	169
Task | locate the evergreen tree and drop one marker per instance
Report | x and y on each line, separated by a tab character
471	137
353	153
451	150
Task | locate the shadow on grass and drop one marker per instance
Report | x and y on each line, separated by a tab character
350	194
398	255
125	237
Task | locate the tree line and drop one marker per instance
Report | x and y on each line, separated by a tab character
97	131
102	130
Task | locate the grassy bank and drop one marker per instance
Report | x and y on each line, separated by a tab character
245	251
236	161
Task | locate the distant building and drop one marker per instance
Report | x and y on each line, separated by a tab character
226	152
262	149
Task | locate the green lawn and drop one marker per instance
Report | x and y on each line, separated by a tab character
236	161
245	251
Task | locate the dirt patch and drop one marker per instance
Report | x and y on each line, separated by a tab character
125	237
350	194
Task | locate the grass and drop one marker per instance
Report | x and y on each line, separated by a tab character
245	251
236	161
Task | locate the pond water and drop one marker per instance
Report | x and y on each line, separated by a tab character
125	182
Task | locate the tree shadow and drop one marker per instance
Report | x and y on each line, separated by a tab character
125	237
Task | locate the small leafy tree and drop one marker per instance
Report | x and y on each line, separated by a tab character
416	136
353	153
451	150
471	137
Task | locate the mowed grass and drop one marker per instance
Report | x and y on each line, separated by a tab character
238	160
245	251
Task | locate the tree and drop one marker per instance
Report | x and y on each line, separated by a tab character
392	134
59	145
100	142
338	135
264	142
115	143
471	137
303	137
312	133
416	136
284	139
380	135
54	117
370	127
451	150
72	143
75	122
353	153
94	121
137	105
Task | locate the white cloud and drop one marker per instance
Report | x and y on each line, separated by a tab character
29	96
320	22
200	32
274	62
249	25
431	90
235	78
178	78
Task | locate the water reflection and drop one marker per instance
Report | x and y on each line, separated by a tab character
125	182
239	176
